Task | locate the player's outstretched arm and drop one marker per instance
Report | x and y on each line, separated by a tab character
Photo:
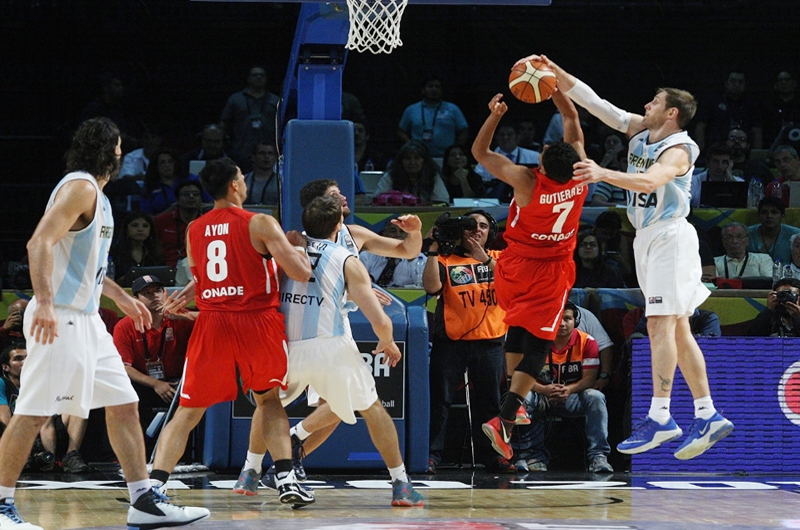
359	289
267	236
498	165
408	248
672	162
133	307
573	133
583	95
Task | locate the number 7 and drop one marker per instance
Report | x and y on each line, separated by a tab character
564	208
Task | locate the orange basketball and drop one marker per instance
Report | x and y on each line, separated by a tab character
532	81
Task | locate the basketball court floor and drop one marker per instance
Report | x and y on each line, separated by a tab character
455	499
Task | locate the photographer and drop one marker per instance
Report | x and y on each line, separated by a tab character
781	318
468	328
11	328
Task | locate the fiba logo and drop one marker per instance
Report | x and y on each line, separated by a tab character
789	393
461	274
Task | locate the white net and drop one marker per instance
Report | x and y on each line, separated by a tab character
375	25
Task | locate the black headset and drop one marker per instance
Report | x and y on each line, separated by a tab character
492	225
575	311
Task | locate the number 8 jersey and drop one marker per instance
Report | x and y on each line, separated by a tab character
546	228
228	272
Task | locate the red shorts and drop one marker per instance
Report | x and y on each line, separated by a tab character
253	341
533	292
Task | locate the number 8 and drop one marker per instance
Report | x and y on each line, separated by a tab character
217	267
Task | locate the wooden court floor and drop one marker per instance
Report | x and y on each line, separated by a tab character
455	499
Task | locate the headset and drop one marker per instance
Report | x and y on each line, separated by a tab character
575	311
492	225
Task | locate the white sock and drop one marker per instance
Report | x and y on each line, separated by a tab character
139	488
704	407
398	473
253	462
6	493
299	431
659	410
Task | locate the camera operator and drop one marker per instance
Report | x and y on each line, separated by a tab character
468	329
11	328
781	318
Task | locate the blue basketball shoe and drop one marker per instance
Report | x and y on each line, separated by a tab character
702	435
649	434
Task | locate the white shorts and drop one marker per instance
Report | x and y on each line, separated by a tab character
668	268
81	370
335	368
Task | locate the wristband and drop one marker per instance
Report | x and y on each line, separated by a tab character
431	254
488	261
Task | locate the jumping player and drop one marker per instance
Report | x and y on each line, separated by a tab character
72	364
239	325
660	164
542	224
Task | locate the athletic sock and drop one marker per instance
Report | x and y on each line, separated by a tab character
299	431
283	471
659	410
398	473
138	488
704	407
253	462
6	493
511	404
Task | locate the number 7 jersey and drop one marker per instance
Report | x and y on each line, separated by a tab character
546	228
230	275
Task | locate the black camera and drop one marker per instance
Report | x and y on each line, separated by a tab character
448	231
786	295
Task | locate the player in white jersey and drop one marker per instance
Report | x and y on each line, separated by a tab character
322	352
72	364
661	158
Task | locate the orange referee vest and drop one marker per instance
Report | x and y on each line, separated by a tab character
470	302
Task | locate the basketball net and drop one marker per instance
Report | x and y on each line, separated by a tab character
375	25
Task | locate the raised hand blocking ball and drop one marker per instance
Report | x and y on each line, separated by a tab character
532	81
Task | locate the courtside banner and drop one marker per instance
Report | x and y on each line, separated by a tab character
755	383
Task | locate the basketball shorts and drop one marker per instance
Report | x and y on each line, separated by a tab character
533	292
81	370
668	268
336	370
222	341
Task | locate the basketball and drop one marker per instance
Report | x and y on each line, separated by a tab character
532	82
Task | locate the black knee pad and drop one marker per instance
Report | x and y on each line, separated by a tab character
533	349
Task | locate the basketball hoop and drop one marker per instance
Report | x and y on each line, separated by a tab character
375	25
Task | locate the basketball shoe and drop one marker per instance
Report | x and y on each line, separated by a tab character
247	483
522	416
404	494
153	510
702	435
10	519
500	436
291	492
649	434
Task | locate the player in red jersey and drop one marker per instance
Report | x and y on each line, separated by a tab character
239	325
535	273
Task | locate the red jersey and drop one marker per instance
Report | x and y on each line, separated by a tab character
229	274
166	344
546	228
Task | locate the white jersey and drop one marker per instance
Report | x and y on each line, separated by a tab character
670	200
314	308
346	240
80	258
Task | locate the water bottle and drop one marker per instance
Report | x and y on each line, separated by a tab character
777	272
755	192
368	165
787	271
419	270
